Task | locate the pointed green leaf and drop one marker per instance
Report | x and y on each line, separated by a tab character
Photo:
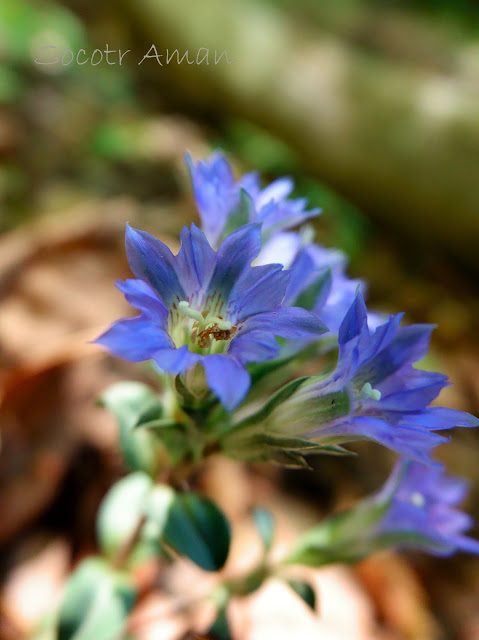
264	522
96	602
196	528
151	411
305	591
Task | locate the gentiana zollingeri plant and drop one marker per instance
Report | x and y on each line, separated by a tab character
228	324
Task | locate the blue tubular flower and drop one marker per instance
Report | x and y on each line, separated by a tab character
381	395
415	509
335	291
318	281
206	307
218	198
422	510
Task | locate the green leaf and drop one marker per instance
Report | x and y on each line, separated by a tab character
150	411
304	590
128	401
96	602
157	507
116	524
195	527
264	522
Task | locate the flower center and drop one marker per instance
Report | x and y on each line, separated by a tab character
202	332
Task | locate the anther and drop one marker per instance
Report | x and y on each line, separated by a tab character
368	393
418	499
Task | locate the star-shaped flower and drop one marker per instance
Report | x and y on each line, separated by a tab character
375	392
206	307
219	200
423	510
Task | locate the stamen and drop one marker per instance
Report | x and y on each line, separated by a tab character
307	234
188	311
368	393
224	325
418	499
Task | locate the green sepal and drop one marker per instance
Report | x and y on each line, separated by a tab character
267	409
96	602
288	459
327	408
296	444
259	370
285	451
188	398
304	590
344	537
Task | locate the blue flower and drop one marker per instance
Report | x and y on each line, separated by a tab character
375	393
318	281
219	198
335	292
206	307
415	509
422	513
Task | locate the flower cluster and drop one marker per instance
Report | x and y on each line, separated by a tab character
210	318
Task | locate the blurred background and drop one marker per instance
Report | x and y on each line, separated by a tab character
373	107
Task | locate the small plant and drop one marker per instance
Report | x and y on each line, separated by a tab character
228	324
